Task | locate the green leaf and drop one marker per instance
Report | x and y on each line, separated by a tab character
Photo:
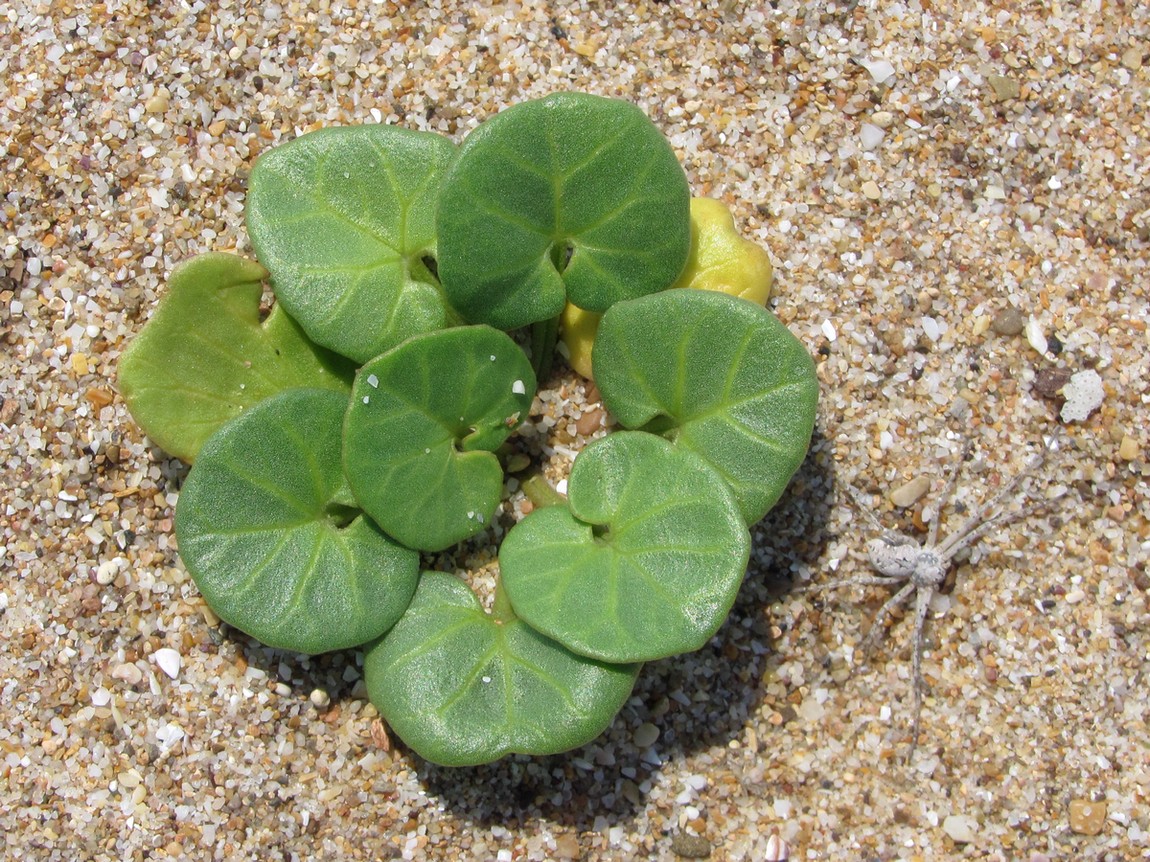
644	563
424	420
204	356
344	219
266	531
462	687
568	175
719	376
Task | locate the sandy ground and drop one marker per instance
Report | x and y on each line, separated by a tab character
956	199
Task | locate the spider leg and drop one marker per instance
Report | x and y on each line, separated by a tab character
921	608
979	520
878	626
948	491
951	546
862	504
860	581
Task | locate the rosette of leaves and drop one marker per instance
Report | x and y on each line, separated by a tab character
304	514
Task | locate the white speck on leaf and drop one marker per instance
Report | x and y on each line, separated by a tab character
517	388
366	398
373	381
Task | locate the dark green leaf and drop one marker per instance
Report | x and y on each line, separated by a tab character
717	375
266	529
423	422
344	218
462	687
644	564
571	196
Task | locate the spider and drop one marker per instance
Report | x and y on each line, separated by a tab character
897	558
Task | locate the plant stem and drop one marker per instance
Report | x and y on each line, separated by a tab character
501	610
544	334
540	492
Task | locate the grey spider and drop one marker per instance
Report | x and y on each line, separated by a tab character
897	558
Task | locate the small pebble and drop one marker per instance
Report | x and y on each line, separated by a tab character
106	573
1048	382
128	673
870	136
567	847
1083	396
690	846
961	828
1086	817
1009	321
1004	88
168	660
880	70
1132	58
1128	449
908	494
645	735
871	190
1035	337
319	698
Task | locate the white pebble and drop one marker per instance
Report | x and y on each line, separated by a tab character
1035	337
931	328
1083	394
829	331
870	136
319	698
169	661
106	573
880	70
961	828
169	735
517	388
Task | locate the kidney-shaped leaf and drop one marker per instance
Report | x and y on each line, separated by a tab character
462	687
422	425
644	562
718	375
344	219
267	531
205	356
571	196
